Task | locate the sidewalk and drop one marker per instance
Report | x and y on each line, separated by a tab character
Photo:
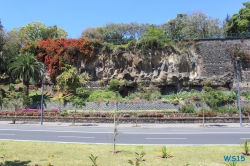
145	125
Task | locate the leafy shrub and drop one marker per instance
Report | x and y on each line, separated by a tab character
114	84
150	43
246	94
227	110
187	109
223	109
214	98
82	92
183	95
107	47
149	96
131	45
64	112
11	87
246	113
245	110
103	94
17	81
120	48
233	110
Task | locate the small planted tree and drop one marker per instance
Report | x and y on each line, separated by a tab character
139	158
115	123
77	102
165	152
93	159
246	147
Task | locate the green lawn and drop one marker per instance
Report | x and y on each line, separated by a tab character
17	153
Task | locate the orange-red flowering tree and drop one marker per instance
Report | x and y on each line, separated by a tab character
55	53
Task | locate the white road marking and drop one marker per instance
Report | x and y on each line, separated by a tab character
7	134
165	138
245	130
75	137
186	130
120	130
55	129
189	133
58	131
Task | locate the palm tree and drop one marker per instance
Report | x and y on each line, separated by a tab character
25	67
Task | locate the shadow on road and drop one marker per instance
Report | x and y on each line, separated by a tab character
29	123
216	125
88	125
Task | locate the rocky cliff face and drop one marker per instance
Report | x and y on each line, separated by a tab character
207	61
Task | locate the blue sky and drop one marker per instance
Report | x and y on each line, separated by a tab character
76	15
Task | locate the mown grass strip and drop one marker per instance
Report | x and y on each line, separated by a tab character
68	154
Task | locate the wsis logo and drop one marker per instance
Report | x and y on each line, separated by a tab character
234	158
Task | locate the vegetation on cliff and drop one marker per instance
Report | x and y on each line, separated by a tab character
50	46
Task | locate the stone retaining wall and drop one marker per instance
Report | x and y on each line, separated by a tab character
132	120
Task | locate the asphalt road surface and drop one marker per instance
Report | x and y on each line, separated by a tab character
131	135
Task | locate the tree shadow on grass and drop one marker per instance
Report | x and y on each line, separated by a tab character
15	163
37	97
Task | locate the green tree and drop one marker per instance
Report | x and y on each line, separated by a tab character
70	79
174	27
154	38
1	46
12	43
1	36
38	31
154	31
25	67
117	32
93	33
11	47
240	22
199	25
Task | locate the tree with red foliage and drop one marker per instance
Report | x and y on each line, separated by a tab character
55	53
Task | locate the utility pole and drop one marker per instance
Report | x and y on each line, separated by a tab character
238	89
41	120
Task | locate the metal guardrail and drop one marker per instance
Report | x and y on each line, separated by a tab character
194	37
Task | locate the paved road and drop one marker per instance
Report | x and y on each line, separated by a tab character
174	134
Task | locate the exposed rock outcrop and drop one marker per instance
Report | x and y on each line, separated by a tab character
209	60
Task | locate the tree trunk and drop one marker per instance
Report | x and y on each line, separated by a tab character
26	83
